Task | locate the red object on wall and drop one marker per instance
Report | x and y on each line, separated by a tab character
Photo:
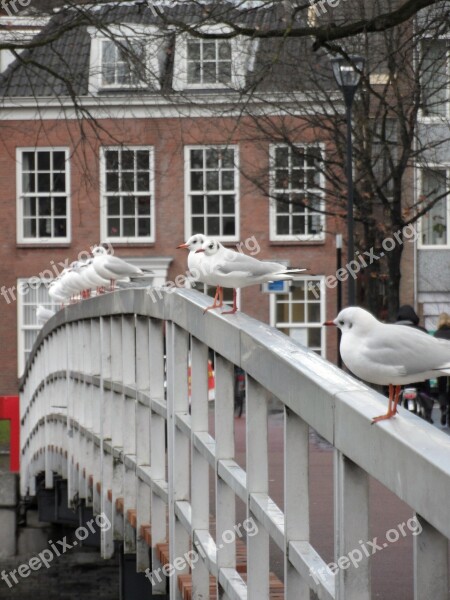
9	409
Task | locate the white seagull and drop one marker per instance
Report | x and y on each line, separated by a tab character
389	354
113	268
43	314
228	268
197	262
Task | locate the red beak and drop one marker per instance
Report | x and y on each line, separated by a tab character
182	246
200	250
329	323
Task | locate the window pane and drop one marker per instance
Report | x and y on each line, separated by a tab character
113	205
129	229
193	50
314	313
197	205
29	207
281	157
143	206
59	161
112	182
128	160
282	312
209	73
45	206
228	180
227	157
213	226
224	72
229	225
298	312
228	204
212	180
59	182
198	225
224	50
196	159
28	161
143	160
60	207
112	160
114	227
209	50
43	161
193	74
45	227
29	228
282	225
213	204
144	227
128	207
314	337
43	182
60	228
196	181
212	158
127	182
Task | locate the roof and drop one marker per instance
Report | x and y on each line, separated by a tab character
60	66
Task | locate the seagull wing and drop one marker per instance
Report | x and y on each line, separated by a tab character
120	267
235	262
410	350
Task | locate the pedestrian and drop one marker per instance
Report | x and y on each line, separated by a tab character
443	332
408	316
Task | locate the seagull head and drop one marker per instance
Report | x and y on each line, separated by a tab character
99	250
194	243
210	247
353	318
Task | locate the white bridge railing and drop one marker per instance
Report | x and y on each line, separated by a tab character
107	379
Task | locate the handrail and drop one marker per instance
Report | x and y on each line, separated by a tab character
406	454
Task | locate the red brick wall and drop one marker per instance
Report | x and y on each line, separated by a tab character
168	136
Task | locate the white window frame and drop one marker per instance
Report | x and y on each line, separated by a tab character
243	53
187	187
313	237
21	299
104	205
154	50
426	118
52	241
433	167
273	310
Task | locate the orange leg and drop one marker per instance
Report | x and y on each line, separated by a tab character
234	309
218	296
392	404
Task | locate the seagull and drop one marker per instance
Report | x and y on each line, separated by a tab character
228	268
197	262
389	354
113	268
43	314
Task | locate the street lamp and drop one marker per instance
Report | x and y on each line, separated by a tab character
348	75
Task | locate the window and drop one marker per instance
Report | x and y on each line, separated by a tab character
121	63
435	70
127	56
212	63
212	192
296	193
127	199
301	312
434	224
208	61
30	294
43	196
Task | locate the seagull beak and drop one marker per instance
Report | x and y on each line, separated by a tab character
329	323
182	246
200	250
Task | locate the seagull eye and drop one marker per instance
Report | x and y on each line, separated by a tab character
341	322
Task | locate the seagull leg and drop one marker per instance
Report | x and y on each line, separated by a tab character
392	404
234	309
218	295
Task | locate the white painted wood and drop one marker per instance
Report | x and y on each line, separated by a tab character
351	526
431	554
257	482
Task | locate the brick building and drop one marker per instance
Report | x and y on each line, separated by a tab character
94	150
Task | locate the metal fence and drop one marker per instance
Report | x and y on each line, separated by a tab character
107	382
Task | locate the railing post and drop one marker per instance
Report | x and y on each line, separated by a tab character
431	578
106	459
118	405
296	498
225	450
143	491
257	483
200	467
178	445
158	424
351	496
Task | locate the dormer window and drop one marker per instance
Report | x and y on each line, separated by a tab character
121	63
208	61
212	63
128	56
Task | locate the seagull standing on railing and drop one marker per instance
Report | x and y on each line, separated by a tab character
231	269
389	354
113	268
43	314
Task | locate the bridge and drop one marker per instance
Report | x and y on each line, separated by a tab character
107	406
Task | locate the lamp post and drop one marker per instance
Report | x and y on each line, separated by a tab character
348	75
